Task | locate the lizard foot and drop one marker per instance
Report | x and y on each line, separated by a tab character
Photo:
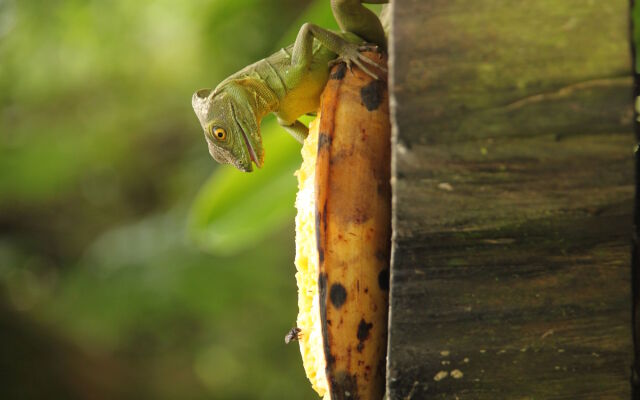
351	55
370	47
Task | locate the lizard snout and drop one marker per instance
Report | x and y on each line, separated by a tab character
200	103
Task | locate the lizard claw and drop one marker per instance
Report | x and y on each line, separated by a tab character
335	62
370	47
371	62
351	55
340	60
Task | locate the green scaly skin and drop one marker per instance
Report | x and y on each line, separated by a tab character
287	83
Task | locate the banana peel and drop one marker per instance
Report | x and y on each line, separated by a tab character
343	237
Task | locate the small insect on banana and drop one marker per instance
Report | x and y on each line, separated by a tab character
293	334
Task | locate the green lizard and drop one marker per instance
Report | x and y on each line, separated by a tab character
287	83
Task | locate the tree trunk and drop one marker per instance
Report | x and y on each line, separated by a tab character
512	200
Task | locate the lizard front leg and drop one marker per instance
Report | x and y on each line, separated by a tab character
348	52
298	130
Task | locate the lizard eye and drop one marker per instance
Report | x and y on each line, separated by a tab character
218	133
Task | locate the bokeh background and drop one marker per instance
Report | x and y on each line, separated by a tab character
131	265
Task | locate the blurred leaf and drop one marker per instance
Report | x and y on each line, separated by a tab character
234	210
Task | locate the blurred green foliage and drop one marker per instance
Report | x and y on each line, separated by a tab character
234	210
102	294
635	33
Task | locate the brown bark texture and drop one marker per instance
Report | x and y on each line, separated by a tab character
513	187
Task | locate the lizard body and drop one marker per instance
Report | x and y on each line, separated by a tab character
288	83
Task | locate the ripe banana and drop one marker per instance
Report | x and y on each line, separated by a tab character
343	238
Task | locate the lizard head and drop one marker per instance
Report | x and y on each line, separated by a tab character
230	126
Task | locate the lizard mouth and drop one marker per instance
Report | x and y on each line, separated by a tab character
252	153
247	142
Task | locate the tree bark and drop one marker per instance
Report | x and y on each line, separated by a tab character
513	195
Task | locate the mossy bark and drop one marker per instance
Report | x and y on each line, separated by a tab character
512	200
